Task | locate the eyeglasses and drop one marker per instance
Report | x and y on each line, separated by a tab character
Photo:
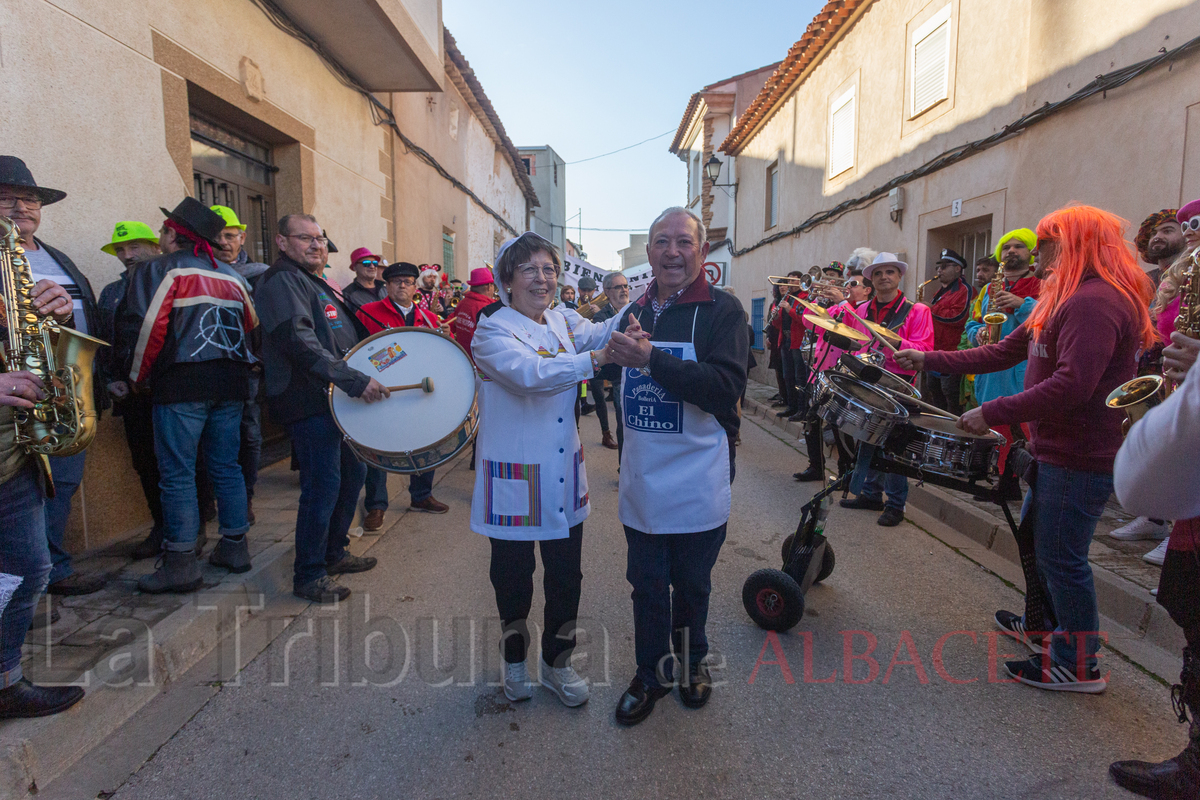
28	201
404	281
307	240
618	287
368	263
529	271
1192	224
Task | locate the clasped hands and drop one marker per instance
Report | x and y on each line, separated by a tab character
629	349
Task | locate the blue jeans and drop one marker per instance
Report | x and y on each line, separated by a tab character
330	479
25	553
1068	504
657	564
68	474
895	485
181	430
420	487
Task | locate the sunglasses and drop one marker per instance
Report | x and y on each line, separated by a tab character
1192	224
367	262
854	284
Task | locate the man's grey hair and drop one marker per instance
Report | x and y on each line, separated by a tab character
609	277
861	258
285	222
681	210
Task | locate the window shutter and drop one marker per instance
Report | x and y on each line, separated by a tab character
931	62
841	135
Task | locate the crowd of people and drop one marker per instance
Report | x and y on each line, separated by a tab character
1055	320
200	339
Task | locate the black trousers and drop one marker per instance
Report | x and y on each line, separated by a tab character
512	577
596	393
944	392
137	414
1179	592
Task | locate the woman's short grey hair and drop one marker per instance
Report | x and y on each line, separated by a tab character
861	258
700	229
523	248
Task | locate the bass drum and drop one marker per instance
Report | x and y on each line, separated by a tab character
412	431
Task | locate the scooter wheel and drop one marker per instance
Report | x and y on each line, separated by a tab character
773	600
827	563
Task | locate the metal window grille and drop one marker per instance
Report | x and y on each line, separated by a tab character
756	320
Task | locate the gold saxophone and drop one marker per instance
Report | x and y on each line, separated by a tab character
64	422
1141	394
995	319
921	289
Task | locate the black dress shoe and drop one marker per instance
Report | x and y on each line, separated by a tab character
890	518
787	412
810	474
23	700
75	584
698	688
1178	777
861	502
638	701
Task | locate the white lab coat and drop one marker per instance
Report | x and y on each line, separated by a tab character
530	478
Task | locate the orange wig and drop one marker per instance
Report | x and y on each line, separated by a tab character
1088	241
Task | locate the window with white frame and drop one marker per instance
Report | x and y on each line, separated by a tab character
841	133
929	62
772	204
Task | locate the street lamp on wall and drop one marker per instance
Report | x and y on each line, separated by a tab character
712	168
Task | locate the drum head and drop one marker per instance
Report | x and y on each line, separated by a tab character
932	422
864	393
411	419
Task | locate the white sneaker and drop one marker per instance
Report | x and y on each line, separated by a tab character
516	682
1158	555
565	682
1141	528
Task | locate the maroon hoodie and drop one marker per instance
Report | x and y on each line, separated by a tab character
1087	349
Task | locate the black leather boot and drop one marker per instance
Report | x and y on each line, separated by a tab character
24	700
1178	777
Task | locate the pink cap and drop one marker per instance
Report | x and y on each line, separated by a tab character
1192	209
360	254
481	276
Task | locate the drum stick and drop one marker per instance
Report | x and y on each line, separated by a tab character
425	385
941	412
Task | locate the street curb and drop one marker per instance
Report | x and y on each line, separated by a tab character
35	752
1120	600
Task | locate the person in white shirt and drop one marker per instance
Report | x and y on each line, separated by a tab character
530	479
1157	474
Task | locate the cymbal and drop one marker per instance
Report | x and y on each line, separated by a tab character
813	308
887	333
837	327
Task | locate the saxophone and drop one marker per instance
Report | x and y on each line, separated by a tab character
1139	395
64	422
921	289
995	319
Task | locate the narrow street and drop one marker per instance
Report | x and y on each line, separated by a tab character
307	719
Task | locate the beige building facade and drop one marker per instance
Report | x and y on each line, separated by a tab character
878	90
128	105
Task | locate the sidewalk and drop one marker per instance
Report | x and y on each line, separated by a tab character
125	647
1139	628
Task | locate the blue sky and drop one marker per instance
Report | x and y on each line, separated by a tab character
587	78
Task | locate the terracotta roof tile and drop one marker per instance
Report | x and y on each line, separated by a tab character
824	27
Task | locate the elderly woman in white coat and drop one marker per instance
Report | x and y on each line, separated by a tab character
530	480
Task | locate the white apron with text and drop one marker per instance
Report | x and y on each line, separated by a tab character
675	464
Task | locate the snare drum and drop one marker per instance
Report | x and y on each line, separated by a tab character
888	380
412	431
936	445
857	409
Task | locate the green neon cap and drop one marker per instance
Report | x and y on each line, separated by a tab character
230	217
129	231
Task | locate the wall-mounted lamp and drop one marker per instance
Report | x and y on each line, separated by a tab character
712	168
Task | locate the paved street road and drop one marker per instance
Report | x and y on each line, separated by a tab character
298	726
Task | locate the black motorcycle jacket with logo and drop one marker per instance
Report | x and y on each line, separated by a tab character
184	330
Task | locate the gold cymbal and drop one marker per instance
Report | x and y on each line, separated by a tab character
813	308
830	325
887	333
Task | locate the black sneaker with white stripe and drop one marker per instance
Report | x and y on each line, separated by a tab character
1014	624
1039	671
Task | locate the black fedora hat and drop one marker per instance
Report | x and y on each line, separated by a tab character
197	218
13	172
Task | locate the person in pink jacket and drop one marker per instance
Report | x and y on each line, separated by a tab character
913	323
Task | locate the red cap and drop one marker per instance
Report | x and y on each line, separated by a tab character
481	276
361	253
